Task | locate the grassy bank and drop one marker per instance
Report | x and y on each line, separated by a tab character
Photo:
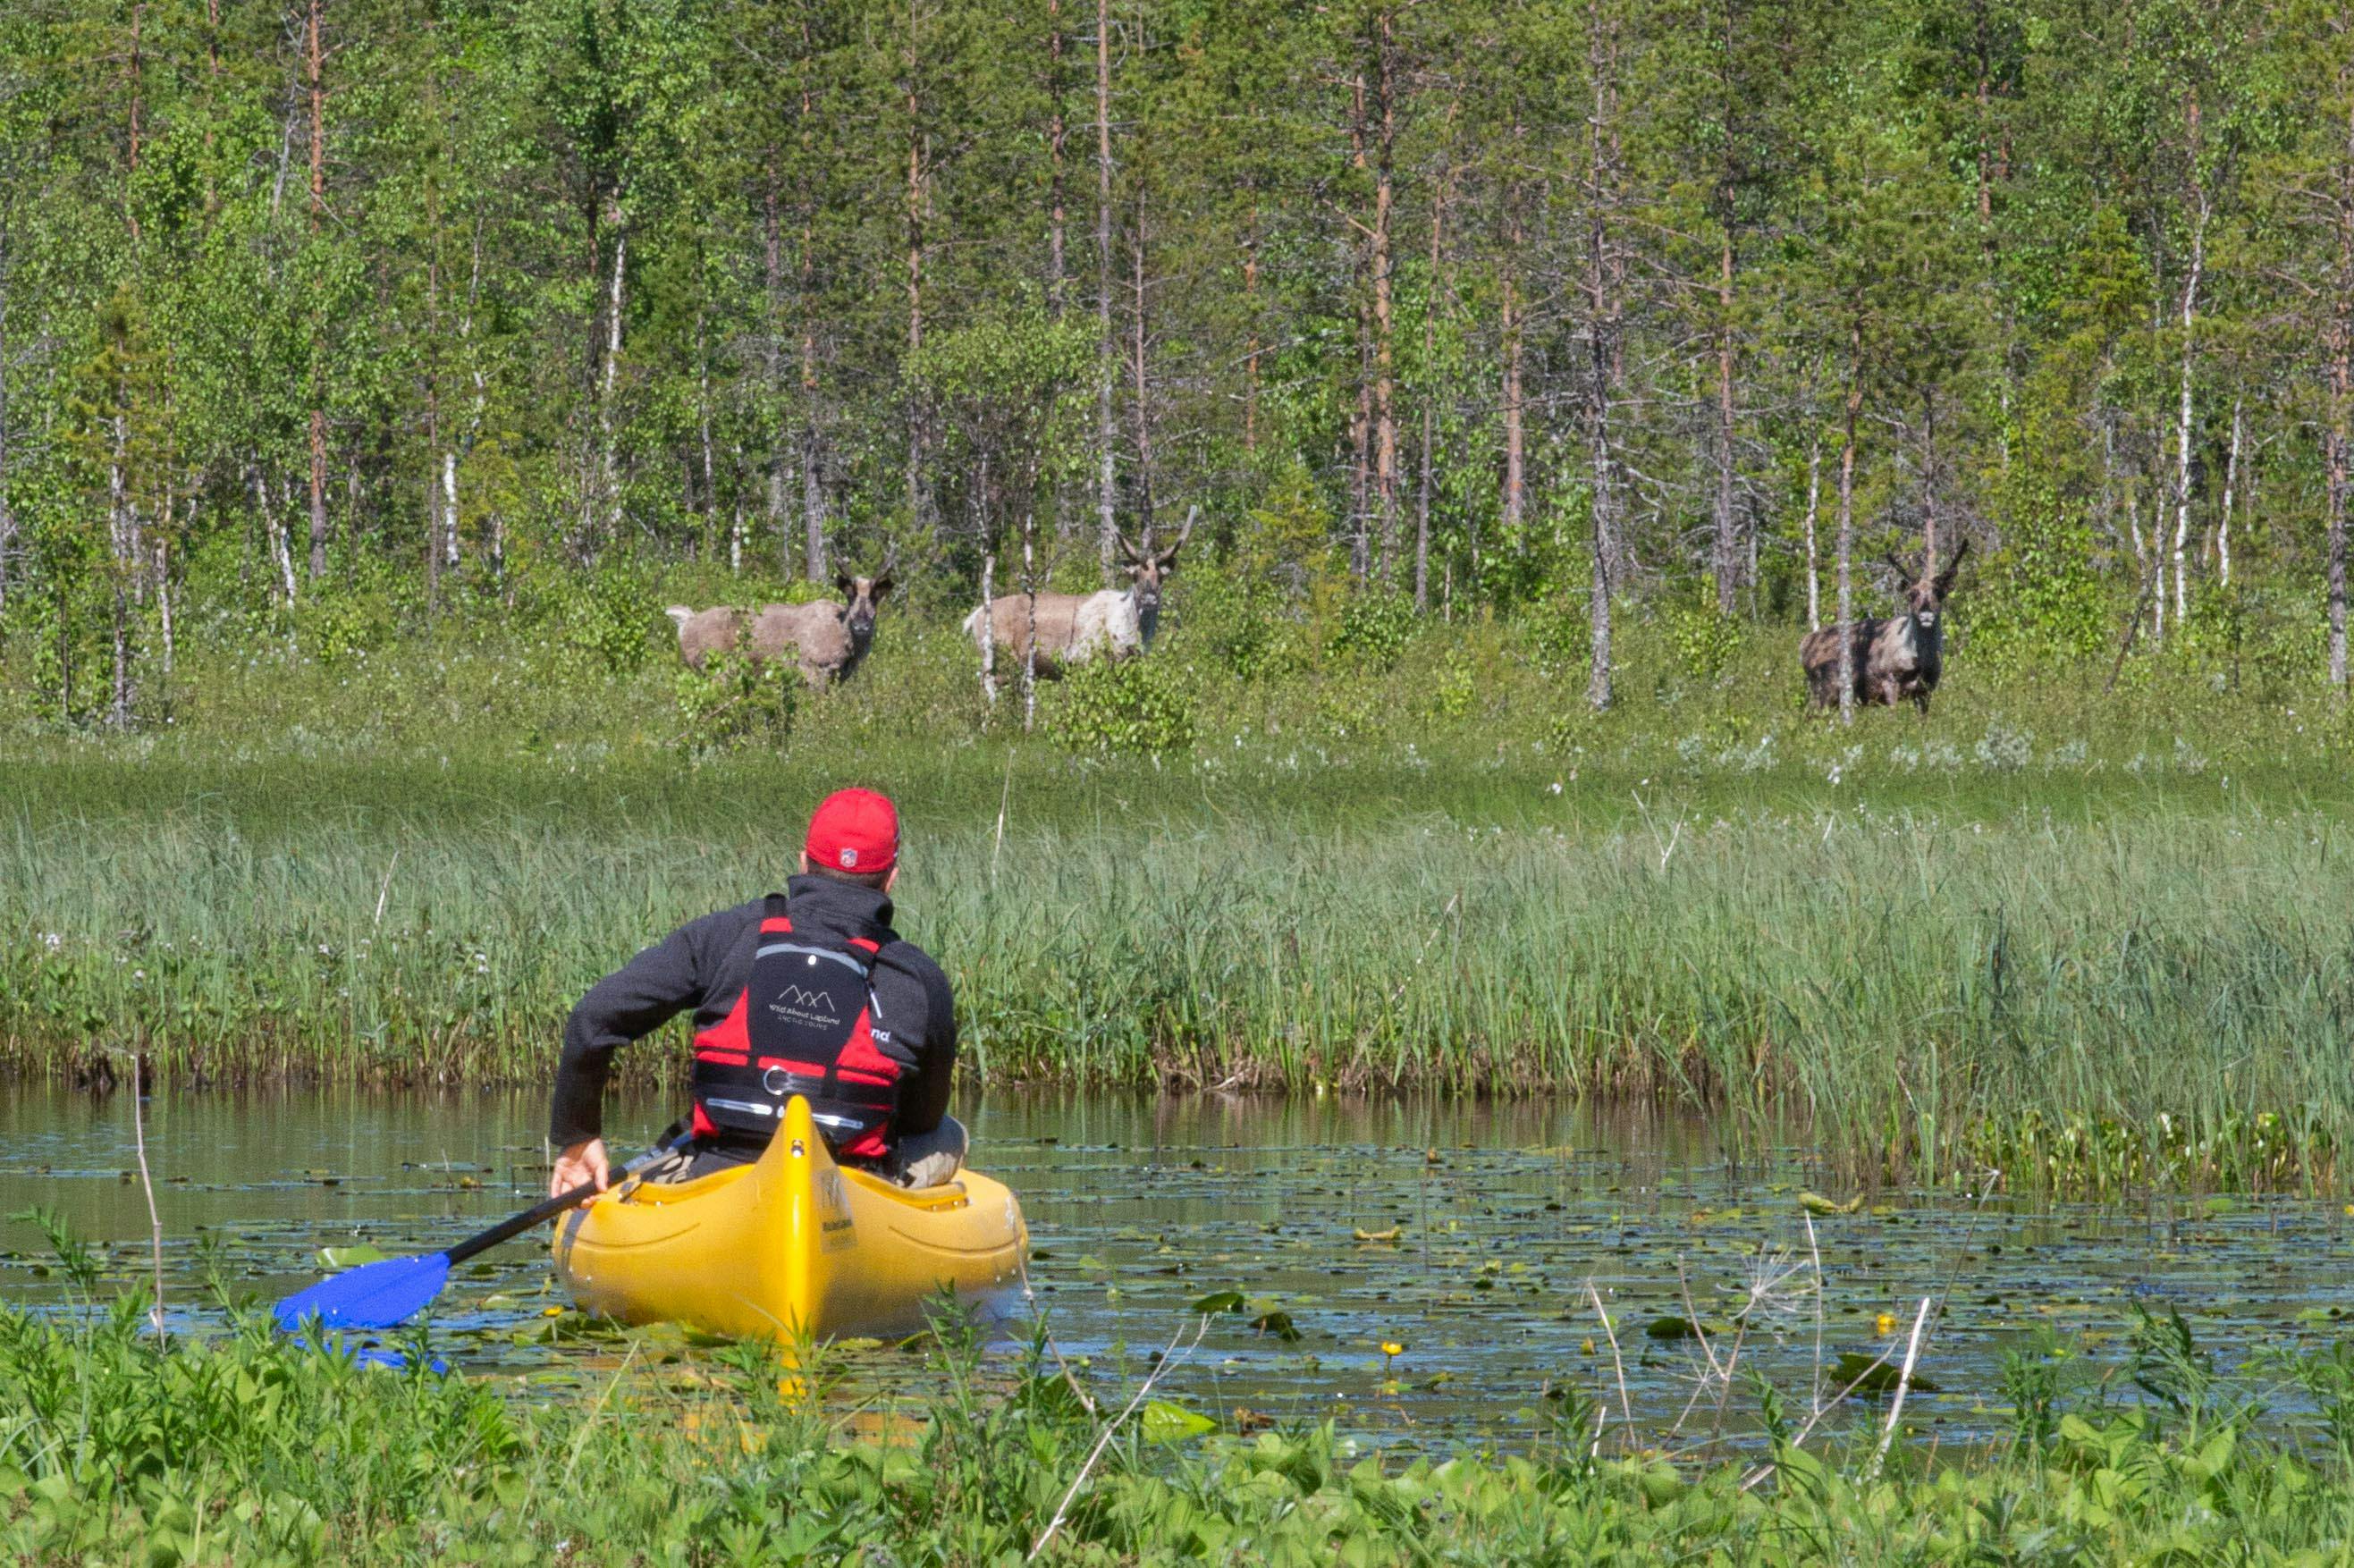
2089	939
1911	975
238	1449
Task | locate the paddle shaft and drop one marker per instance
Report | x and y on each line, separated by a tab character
541	1213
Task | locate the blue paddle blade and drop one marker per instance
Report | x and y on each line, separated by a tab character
373	1295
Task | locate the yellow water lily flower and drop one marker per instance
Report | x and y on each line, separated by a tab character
1391	1348
1885	1322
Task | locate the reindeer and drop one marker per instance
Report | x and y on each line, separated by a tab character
1894	659
827	639
1060	630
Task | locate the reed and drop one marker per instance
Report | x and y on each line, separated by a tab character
1910	977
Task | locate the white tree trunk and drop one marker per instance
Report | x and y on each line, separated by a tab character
1814	497
2231	491
450	507
1108	359
2183	421
611	498
988	627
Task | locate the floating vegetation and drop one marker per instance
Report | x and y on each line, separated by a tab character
2104	1158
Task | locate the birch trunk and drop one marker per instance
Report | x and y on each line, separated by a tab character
164	601
1603	308
610	462
2340	347
988	627
914	104
9	525
1251	345
1030	640
1728	540
812	509
450	507
1814	495
1515	497
1143	408
1106	473
1385	442
1846	544
120	530
2230	494
1058	133
2182	423
316	60
1428	457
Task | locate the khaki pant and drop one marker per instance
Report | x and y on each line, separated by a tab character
923	1159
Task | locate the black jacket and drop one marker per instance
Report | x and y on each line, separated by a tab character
704	965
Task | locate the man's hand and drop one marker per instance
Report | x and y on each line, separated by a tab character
581	1162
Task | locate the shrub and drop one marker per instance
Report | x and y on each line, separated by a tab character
609	627
733	702
1125	707
1705	642
1373	629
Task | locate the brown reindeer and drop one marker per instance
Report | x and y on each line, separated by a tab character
1069	628
827	639
1897	659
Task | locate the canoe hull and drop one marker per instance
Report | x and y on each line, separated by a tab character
791	1245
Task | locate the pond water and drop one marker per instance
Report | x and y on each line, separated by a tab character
1476	1236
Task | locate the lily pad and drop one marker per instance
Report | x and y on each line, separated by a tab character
1279	1324
1220	1301
1816	1203
1166	1423
351	1256
1858	1369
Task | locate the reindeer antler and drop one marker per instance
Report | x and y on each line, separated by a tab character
1183	534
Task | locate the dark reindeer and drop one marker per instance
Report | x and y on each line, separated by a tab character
827	638
1895	658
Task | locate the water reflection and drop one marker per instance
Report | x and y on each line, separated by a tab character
1470	1232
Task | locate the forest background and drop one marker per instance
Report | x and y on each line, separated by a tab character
319	322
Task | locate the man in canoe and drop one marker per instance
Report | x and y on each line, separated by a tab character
807	992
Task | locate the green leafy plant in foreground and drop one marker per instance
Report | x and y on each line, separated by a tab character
233	1445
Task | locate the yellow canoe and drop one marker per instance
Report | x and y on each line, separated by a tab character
790	1245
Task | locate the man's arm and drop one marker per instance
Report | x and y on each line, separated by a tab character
633	1002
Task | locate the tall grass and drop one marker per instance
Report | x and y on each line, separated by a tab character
2090	935
1910	978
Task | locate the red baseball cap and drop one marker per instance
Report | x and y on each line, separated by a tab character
853	829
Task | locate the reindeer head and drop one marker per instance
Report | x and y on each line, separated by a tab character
1147	569
861	595
1924	595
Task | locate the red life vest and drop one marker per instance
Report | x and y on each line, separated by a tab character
803	1024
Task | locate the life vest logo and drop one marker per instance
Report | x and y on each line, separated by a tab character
807	1009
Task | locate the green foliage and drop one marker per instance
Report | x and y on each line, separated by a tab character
609	627
1122	708
1243	621
1705	642
2037	600
1371	629
736	702
234	1445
